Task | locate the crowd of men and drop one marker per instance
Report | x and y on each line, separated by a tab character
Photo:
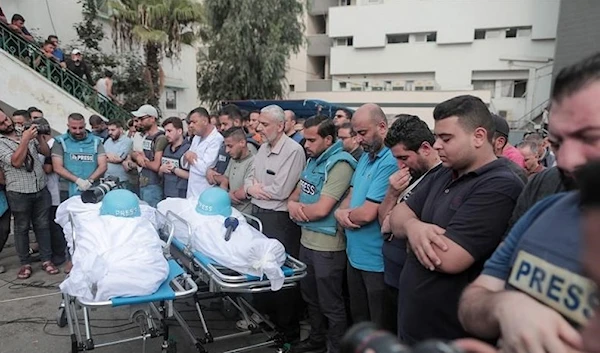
429	234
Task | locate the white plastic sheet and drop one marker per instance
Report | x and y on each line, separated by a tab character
248	251
113	256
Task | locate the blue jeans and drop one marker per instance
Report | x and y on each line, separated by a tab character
152	194
33	209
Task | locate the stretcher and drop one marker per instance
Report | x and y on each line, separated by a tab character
151	312
216	281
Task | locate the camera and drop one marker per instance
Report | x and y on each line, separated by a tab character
366	337
97	193
42	127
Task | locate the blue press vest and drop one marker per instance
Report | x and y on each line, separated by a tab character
80	157
172	184
546	263
152	177
314	177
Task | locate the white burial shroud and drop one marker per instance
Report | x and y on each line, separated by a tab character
114	256
248	251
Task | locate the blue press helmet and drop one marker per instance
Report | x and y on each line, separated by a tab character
120	203
214	201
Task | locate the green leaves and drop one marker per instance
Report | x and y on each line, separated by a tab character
248	43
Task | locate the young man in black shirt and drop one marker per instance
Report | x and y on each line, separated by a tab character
453	222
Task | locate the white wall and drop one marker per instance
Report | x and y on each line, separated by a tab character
22	87
456	53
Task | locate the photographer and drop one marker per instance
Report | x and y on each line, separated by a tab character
26	191
78	157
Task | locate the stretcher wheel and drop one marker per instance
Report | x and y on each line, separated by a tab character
61	317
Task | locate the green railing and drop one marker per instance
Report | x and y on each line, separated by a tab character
31	55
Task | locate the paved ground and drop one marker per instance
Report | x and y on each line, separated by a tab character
28	318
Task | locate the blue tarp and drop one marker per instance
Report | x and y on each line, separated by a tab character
302	108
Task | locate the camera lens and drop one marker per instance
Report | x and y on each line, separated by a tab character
365	337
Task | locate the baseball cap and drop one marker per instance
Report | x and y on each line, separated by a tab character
145	110
501	125
75	51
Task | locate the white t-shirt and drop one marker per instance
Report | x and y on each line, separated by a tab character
52	179
207	151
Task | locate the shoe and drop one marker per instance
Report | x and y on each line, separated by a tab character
309	345
254	320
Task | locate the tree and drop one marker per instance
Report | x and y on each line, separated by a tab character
130	80
160	27
247	47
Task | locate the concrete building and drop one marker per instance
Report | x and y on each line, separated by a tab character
408	54
59	16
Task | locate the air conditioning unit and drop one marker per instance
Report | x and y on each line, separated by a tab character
398	84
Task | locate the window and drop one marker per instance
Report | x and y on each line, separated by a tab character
479	34
356	88
171	99
520	89
342	85
503	113
292	88
485	85
397	38
376	88
344	41
429	88
398	88
420	38
432	37
419	88
511	33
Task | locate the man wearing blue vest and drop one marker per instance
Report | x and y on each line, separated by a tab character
173	170
322	186
78	157
151	187
358	216
533	293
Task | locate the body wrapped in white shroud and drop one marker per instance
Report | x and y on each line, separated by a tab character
248	251
114	256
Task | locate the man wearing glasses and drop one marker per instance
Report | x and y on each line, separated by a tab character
342	116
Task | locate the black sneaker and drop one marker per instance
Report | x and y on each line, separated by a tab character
309	346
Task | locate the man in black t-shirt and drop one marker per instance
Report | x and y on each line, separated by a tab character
453	222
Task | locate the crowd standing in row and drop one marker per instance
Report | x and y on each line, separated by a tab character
404	217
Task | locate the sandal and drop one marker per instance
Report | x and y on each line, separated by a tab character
49	267
25	272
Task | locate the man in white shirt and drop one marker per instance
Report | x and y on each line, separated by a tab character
203	152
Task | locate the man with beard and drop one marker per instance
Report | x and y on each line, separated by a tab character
78	157
117	147
358	216
154	144
26	192
173	170
411	143
453	222
323	185
99	127
533	293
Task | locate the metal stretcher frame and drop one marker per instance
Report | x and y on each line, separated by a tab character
224	283
178	285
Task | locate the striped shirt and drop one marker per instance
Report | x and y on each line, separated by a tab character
19	179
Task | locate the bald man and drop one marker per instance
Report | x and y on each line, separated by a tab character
358	216
290	127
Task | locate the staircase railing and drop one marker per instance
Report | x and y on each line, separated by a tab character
31	55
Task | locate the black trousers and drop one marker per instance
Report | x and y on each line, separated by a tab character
367	292
390	317
57	239
282	306
4	228
322	291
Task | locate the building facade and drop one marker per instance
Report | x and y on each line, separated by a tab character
416	51
58	17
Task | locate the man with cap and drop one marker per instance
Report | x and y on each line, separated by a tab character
78	66
149	159
503	148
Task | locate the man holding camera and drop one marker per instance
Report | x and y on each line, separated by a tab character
26	191
78	157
